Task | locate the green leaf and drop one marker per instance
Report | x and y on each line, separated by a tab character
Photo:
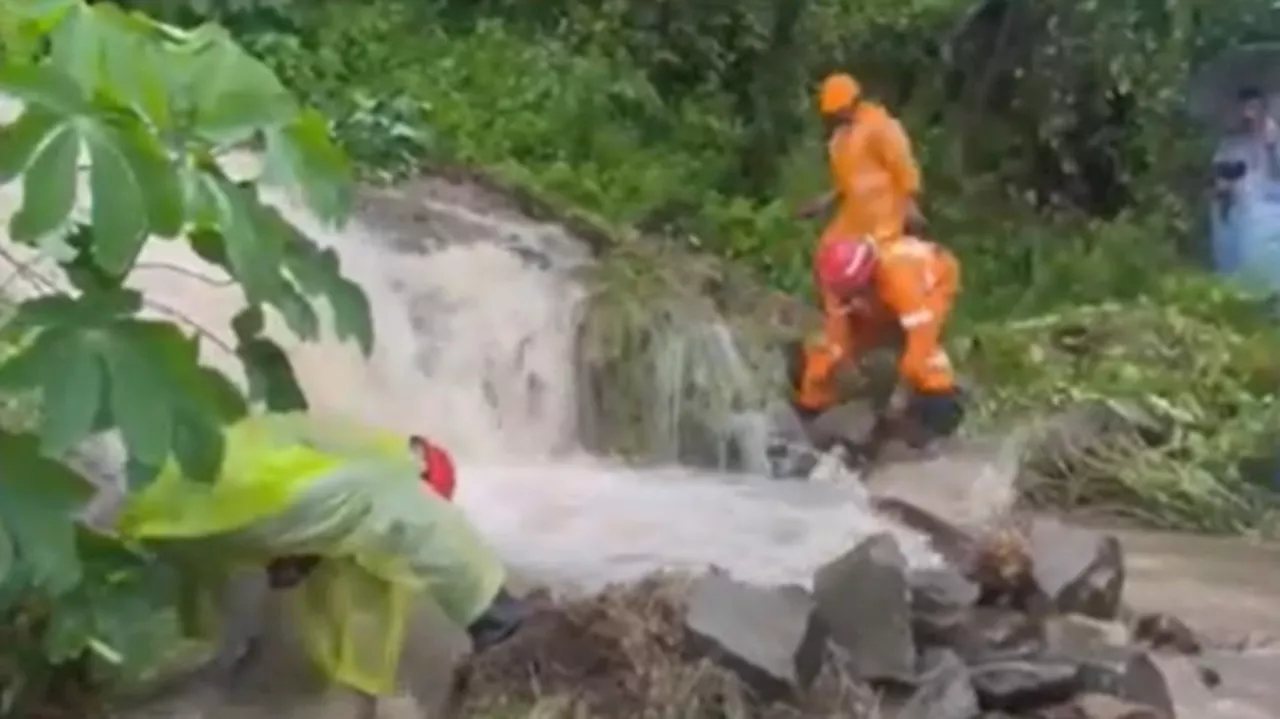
303	154
129	595
252	245
93	359
271	377
48	188
8	556
38	497
297	311
199	445
44	87
140	405
267	367
73	381
107	52
232	95
135	194
248	323
70	628
318	273
46	11
134	188
20	141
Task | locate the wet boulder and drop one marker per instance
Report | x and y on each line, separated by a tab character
1126	673
1165	632
943	690
864	599
1017	685
942	603
770	637
1077	570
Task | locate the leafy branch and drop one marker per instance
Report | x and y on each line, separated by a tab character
123	120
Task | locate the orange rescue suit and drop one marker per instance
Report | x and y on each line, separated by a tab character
874	175
910	299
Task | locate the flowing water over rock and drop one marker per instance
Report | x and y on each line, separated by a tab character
475	310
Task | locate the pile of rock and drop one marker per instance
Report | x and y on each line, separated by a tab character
1023	621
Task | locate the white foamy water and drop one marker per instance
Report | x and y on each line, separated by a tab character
475	348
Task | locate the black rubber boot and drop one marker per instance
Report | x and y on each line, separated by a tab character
501	620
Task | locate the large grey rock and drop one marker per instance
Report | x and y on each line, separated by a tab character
1078	570
944	690
864	599
771	637
1165	632
1124	672
942	602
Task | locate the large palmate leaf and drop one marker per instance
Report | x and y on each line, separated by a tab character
97	365
318	272
37	499
303	154
118	610
271	377
133	186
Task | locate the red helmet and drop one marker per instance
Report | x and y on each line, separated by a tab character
845	266
437	466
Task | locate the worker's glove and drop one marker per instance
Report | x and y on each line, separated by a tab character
938	413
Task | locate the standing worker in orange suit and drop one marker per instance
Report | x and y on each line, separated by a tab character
894	296
874	177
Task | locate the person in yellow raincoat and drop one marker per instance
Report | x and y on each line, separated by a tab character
338	516
874	177
896	297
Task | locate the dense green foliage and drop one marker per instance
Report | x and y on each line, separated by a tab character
1051	134
149	107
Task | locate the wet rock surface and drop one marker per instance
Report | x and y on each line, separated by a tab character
770	638
873	638
1022	620
1034	611
1079	571
864	599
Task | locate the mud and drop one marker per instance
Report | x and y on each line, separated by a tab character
622	654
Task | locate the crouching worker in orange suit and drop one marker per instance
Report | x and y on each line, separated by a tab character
894	297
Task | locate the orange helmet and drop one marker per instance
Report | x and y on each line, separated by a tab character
845	266
839	92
